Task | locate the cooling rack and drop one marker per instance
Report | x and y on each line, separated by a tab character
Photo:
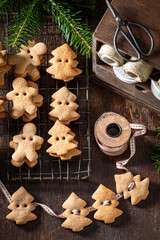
48	168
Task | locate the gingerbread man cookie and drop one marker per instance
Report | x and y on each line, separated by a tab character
27	142
28	59
22	98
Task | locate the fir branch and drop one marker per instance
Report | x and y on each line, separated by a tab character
7	6
74	30
26	25
155	155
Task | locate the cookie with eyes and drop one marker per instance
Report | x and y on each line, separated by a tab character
75	213
63	64
27	142
106	205
21	207
63	106
22	98
28	59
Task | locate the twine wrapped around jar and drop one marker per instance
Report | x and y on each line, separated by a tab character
140	71
109	55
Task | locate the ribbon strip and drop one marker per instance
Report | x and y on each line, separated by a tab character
48	209
120	164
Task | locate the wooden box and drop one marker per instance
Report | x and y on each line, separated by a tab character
145	12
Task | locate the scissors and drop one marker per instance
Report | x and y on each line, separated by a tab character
132	40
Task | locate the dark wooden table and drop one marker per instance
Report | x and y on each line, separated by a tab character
137	222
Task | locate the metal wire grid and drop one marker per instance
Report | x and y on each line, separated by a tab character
48	168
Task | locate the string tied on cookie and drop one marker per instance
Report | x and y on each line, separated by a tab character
106	202
131	186
76	211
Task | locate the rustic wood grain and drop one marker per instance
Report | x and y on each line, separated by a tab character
137	222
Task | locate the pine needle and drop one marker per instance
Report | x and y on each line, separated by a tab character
26	25
75	31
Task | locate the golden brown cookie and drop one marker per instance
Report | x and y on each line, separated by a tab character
63	64
75	213
3	69
64	106
138	192
28	56
72	153
61	140
21	207
21	96
25	160
2	110
26	144
106	205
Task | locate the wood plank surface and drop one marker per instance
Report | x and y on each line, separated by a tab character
137	222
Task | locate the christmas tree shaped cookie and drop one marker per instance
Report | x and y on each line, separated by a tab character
75	213
63	64
137	191
105	204
61	140
21	207
63	106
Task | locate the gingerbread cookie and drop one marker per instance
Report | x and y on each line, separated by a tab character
2	110
63	106
63	64
132	187
25	160
75	213
22	98
105	205
21	207
25	145
61	139
25	99
3	54
28	59
4	68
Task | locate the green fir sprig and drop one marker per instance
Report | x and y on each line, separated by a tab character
29	20
75	31
155	155
26	25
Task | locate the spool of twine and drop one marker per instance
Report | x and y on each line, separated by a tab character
140	71
109	55
112	133
155	88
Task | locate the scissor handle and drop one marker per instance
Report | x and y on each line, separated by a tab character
132	36
119	29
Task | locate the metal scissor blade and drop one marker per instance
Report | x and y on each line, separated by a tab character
113	10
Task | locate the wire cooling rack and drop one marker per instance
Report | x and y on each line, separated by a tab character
48	168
